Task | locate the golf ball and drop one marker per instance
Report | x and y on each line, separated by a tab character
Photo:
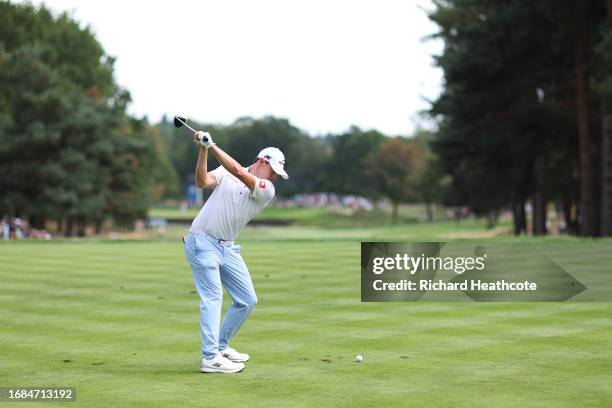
359	358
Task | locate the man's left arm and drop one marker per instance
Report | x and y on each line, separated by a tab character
228	162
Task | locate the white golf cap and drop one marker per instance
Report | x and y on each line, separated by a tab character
276	158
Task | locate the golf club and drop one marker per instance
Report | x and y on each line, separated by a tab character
179	121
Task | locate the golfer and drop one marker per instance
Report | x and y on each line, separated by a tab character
239	194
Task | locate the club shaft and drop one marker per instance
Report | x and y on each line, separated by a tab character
186	125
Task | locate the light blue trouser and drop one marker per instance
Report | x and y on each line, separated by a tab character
213	265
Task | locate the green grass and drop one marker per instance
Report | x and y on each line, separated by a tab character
297	214
118	321
320	217
438	231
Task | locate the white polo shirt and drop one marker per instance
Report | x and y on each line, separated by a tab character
231	206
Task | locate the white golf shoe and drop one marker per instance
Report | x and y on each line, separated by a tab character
234	356
220	364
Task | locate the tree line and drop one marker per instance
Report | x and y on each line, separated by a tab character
70	153
358	162
524	117
68	150
526	111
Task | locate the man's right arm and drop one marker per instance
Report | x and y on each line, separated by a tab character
204	178
224	159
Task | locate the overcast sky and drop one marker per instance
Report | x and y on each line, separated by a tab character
323	64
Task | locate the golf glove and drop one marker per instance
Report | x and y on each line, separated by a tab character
204	139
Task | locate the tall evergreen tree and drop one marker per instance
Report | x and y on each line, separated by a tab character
68	149
516	73
604	86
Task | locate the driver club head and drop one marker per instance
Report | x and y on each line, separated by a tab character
179	121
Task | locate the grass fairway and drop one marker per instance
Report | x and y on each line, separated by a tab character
119	321
320	217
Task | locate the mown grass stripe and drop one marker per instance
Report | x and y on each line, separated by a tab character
64	301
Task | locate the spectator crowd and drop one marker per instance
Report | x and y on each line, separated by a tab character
330	200
17	228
